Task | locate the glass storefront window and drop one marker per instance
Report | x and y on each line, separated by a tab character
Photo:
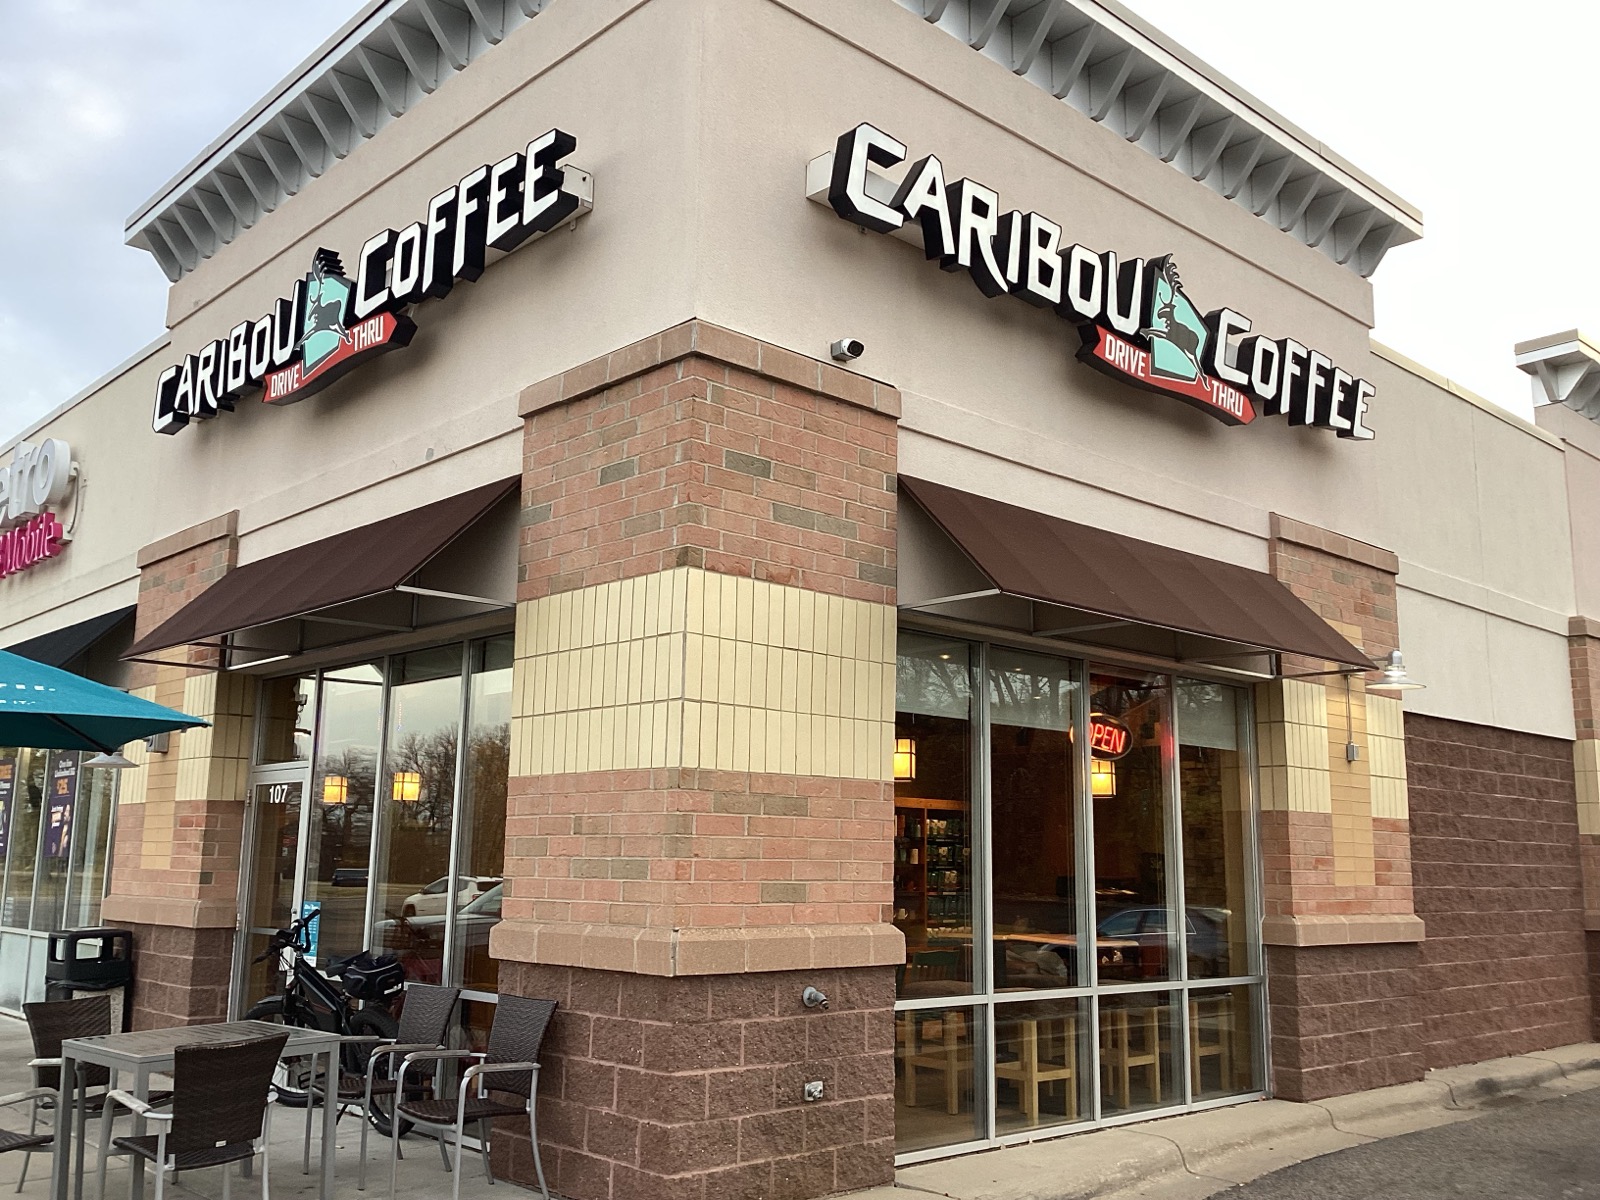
935	1054
1083	803
1137	1034
412	888
1130	828
1032	787
1042	1064
22	859
343	785
933	816
483	811
1222	1057
90	848
401	795
1216	828
284	720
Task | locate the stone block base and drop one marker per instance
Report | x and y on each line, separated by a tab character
1344	1018
180	976
691	1088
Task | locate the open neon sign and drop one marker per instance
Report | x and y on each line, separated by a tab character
1108	737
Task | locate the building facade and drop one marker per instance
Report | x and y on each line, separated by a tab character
706	599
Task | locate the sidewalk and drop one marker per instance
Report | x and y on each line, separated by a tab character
1200	1154
421	1176
1174	1158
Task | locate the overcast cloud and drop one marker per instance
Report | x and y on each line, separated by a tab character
101	102
1479	123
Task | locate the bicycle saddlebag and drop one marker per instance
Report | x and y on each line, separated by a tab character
369	978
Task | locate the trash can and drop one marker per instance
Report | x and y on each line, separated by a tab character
91	962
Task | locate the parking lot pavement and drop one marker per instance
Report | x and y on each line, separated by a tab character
1522	1150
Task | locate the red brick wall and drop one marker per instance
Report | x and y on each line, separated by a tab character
181	976
1494	833
1344	581
678	849
1344	1018
690	1088
704	448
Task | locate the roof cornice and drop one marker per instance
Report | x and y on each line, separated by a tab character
372	71
1116	69
1094	55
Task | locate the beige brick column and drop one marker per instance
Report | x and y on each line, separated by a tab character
701	813
1339	921
180	813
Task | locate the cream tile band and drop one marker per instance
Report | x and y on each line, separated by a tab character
690	668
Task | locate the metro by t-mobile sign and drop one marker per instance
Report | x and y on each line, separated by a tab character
331	323
1136	322
38	477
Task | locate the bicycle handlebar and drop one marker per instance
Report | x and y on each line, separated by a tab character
297	936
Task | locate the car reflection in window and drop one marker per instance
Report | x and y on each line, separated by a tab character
419	939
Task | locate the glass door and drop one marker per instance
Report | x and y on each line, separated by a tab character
270	891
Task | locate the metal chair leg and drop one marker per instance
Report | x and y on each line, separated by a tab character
27	1155
444	1155
266	1151
366	1120
483	1145
227	1181
455	1185
105	1150
533	1137
394	1162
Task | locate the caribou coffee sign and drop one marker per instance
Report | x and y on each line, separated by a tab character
333	320
38	478
1136	321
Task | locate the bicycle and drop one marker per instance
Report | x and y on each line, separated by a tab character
328	1000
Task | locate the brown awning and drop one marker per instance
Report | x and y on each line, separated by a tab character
352	565
1055	561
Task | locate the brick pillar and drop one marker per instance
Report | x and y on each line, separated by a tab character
1583	653
1339	923
180	814
701	814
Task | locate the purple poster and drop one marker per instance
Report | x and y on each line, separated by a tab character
63	802
8	789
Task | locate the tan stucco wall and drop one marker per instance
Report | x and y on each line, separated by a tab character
698	118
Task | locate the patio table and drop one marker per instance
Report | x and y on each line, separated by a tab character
150	1052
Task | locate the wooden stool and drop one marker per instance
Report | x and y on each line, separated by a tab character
1120	1028
1035	1069
946	1051
1217	1008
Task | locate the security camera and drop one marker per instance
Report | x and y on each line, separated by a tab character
847	348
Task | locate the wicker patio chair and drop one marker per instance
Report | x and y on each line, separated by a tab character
424	1023
507	1085
51	1022
26	1142
220	1114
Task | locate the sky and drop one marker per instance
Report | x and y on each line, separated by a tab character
1474	121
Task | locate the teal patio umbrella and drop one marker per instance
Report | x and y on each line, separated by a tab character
49	709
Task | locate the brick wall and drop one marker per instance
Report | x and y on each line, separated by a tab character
703	448
180	825
1341	931
1349	583
1344	1018
685	849
691	1088
700	816
181	976
1495	858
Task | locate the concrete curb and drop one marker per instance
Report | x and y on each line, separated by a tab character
1197	1154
